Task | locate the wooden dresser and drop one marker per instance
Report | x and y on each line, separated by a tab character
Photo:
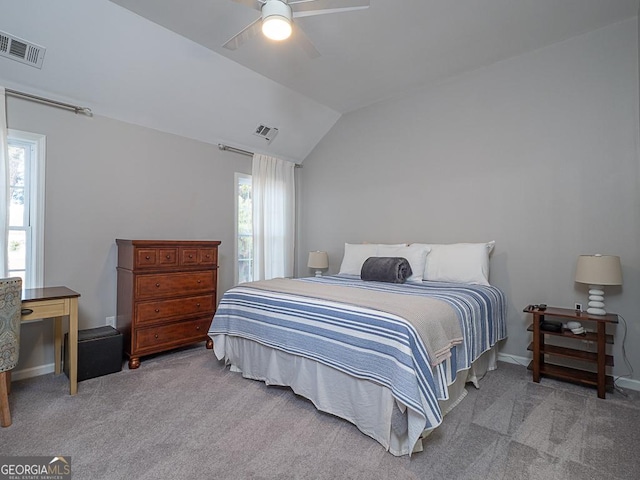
166	294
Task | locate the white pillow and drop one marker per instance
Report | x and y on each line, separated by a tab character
416	255
356	253
459	262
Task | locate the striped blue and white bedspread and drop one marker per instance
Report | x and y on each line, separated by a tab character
366	343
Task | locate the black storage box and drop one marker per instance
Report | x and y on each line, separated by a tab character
99	352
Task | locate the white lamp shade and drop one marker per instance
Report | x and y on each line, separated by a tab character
599	270
318	259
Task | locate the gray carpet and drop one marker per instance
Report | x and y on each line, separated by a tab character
182	415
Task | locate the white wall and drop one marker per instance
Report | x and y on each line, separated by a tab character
106	179
538	152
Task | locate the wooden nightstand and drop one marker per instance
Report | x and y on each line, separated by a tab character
540	367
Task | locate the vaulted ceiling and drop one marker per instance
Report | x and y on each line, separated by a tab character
160	63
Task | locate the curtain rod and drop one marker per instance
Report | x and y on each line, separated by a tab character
223	147
47	101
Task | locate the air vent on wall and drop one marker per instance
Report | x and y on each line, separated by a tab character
268	133
20	50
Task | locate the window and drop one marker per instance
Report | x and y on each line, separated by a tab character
26	207
244	229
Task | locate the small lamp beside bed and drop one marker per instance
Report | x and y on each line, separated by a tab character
318	260
597	271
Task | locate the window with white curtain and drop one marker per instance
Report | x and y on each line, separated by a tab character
26	207
244	229
273	197
265	220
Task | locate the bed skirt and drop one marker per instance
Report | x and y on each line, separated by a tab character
368	405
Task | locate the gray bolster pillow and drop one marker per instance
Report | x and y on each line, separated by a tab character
386	269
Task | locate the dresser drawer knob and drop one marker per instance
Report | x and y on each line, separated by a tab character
198	327
198	305
156	335
168	257
158	285
199	281
147	257
157	310
208	256
190	256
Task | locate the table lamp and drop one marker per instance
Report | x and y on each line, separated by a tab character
318	260
598	271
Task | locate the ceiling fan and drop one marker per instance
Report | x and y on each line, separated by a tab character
276	19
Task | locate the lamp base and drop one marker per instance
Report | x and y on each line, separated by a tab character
318	273
596	300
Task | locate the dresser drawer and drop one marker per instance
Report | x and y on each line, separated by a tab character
156	257
174	284
173	334
208	256
147	312
198	256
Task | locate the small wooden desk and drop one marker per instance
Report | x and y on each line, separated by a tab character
56	302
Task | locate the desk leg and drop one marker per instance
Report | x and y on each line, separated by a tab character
57	345
73	346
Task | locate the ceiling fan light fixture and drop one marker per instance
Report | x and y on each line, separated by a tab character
276	28
276	20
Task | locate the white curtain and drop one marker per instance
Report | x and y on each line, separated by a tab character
273	198
4	184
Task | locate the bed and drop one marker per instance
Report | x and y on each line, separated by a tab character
361	359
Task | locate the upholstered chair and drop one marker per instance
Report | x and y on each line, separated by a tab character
10	308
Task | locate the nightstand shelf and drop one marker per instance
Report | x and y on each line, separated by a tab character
565	352
588	336
573	375
598	360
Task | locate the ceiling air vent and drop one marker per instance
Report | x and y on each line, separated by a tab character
268	133
21	50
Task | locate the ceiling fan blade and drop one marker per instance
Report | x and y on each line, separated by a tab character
255	4
245	34
308	8
301	39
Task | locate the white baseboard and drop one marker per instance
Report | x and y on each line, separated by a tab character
628	383
621	382
32	372
515	359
